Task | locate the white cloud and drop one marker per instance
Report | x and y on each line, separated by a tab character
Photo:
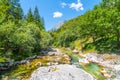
57	14
63	4
78	6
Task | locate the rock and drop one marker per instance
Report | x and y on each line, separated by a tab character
117	72
23	61
48	64
38	64
1	65
105	73
43	52
4	77
51	53
75	51
54	63
60	72
57	59
117	67
55	52
39	57
117	76
11	62
94	57
31	58
17	63
99	58
82	55
83	61
4	66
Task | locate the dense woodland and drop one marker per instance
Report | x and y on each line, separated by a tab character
24	35
20	35
96	30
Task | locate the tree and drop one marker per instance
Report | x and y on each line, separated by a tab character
30	17
6	32
37	19
10	10
99	28
45	40
18	37
16	10
5	8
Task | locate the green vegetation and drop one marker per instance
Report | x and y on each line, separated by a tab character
21	35
96	30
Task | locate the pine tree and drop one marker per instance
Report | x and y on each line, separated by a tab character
36	15
37	19
29	17
5	8
18	13
10	10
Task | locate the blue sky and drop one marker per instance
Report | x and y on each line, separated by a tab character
55	11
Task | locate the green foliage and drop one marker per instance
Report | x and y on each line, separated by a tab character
6	32
21	37
10	10
30	17
96	29
35	17
4	11
45	39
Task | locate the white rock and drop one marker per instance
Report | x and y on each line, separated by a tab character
84	61
75	51
60	72
48	64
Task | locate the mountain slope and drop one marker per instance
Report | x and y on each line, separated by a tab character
97	29
58	25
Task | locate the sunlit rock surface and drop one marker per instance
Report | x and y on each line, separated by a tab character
60	72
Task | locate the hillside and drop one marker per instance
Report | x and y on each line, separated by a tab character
96	30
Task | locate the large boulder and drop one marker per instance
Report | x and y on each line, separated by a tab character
60	72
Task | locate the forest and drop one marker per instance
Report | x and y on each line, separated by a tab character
96	30
20	35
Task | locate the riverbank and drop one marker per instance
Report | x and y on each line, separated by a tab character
99	66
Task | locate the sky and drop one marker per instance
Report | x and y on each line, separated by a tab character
54	11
